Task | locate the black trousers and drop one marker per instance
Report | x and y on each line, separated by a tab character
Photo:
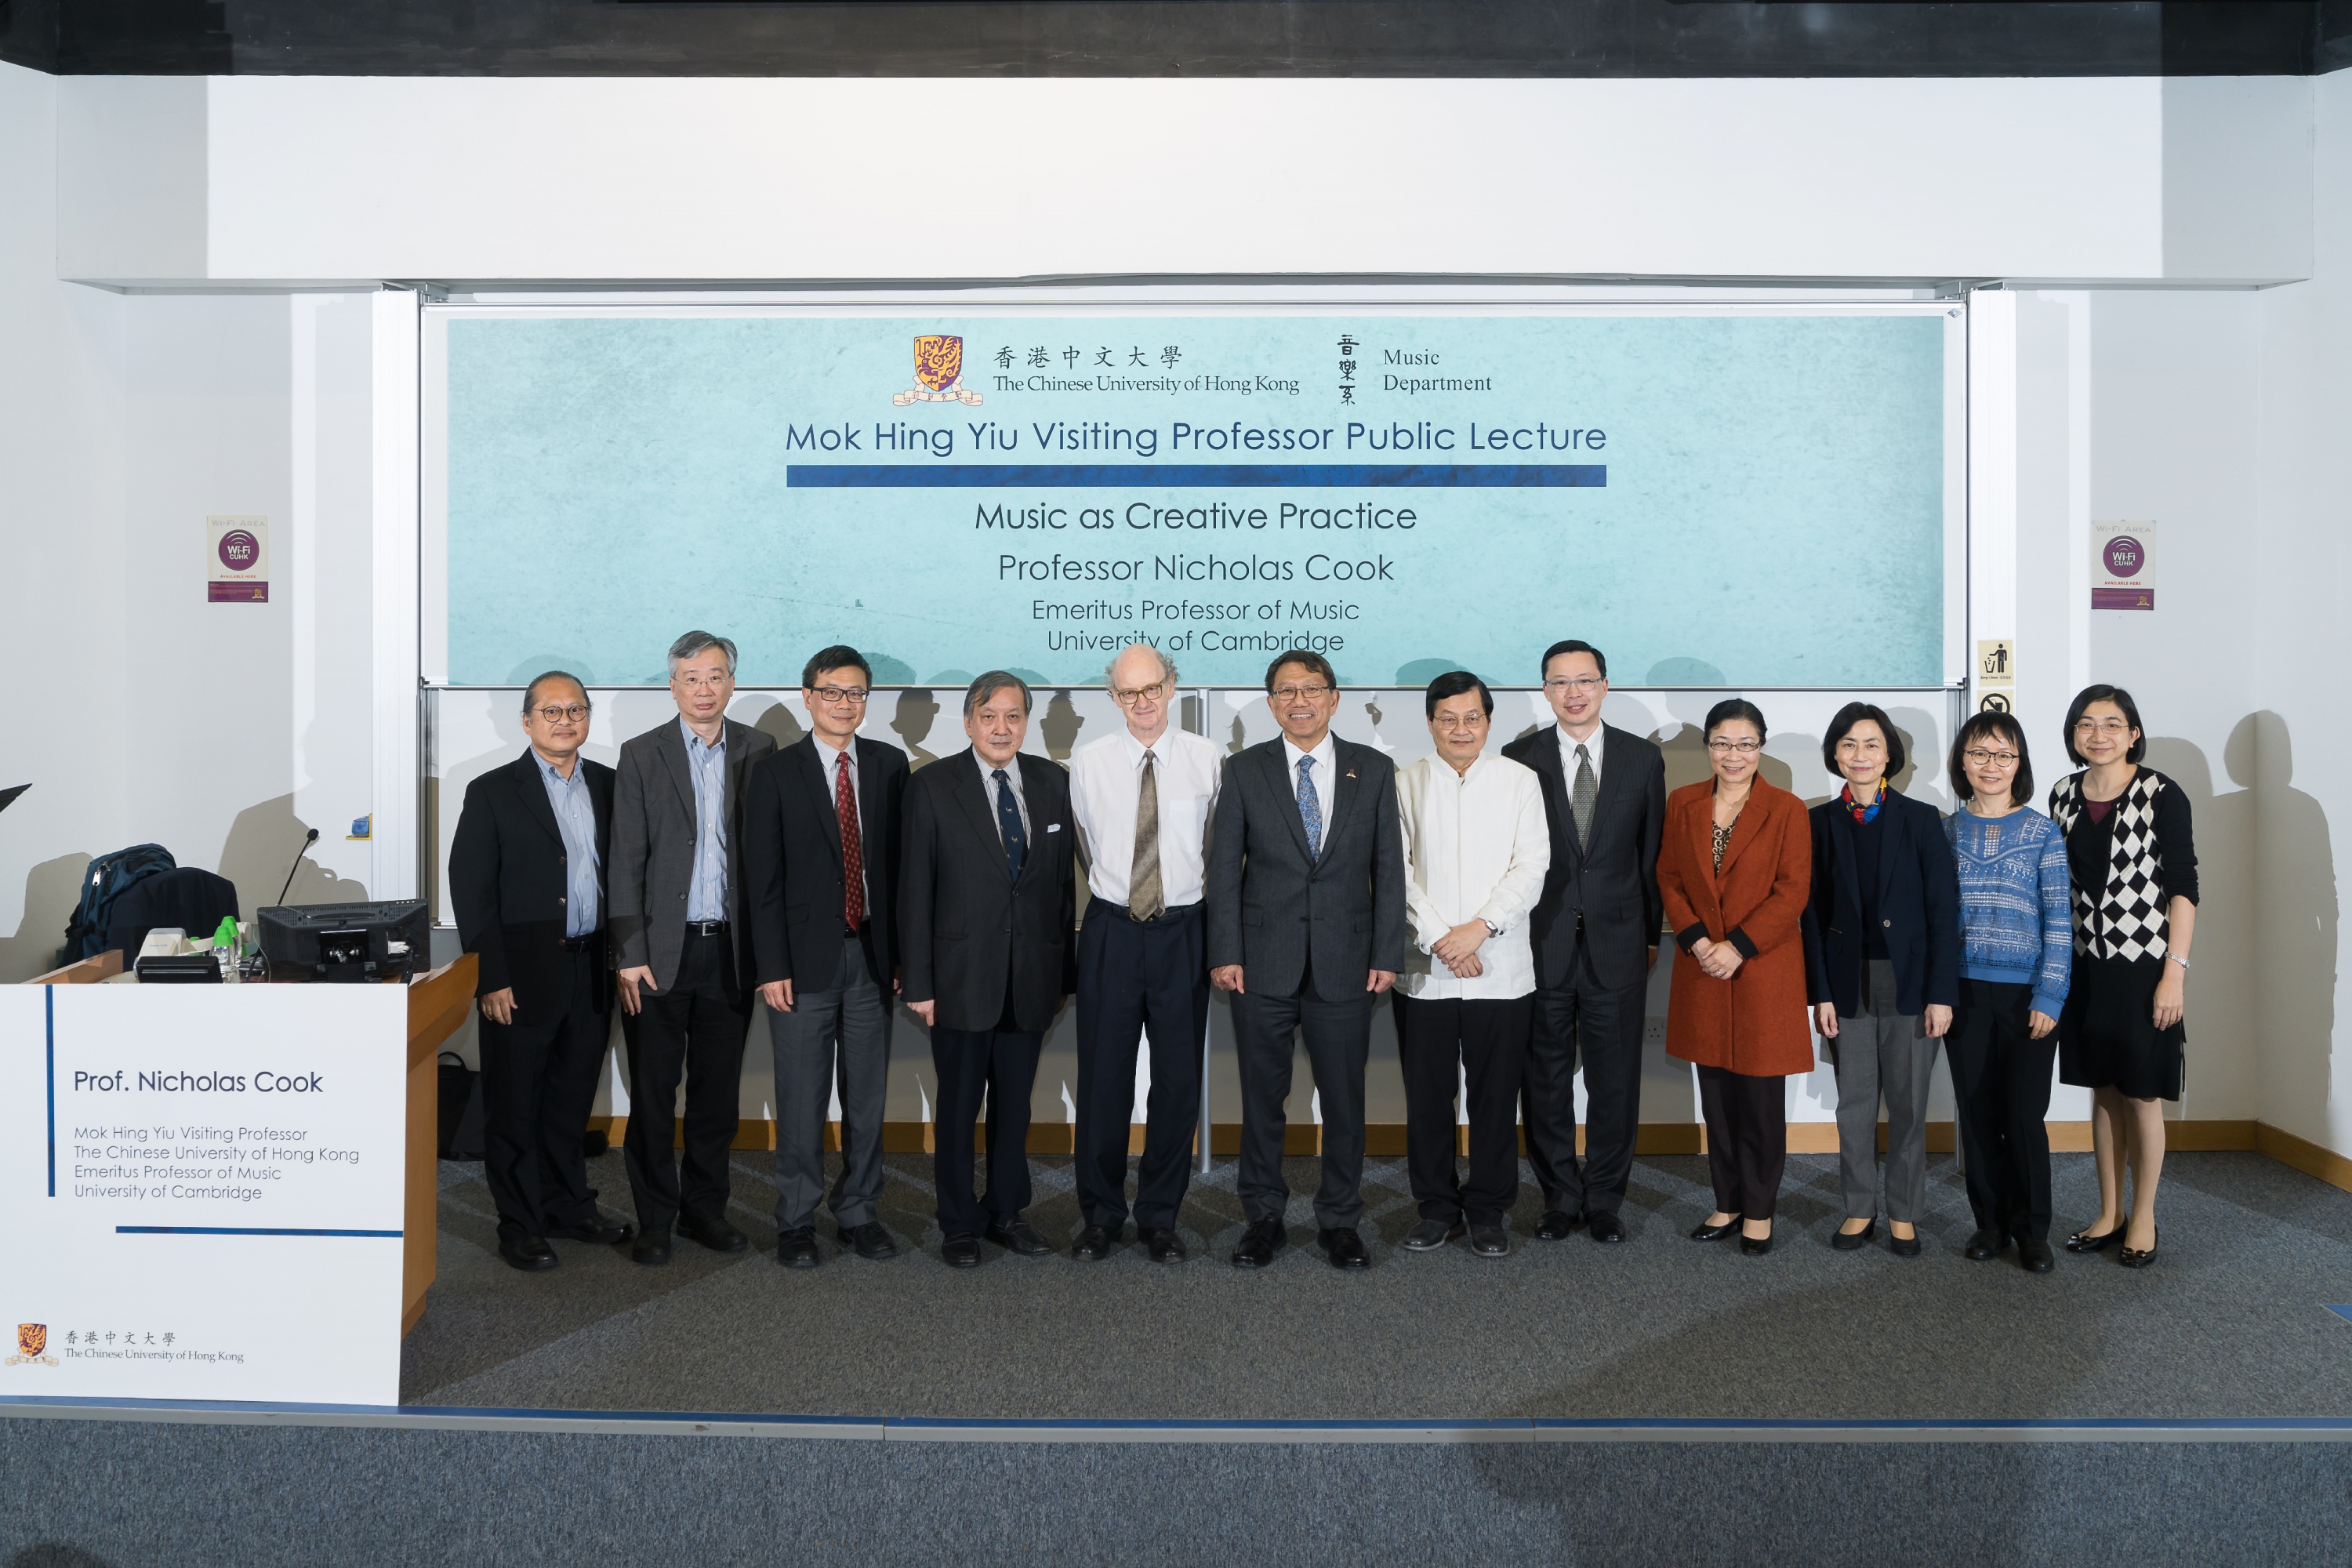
2000	1079
1339	1037
1002	1062
1449	1043
539	1081
1603	1025
1150	978
696	1029
1747	1139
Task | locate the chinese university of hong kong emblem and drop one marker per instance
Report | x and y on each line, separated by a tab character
32	1339
938	374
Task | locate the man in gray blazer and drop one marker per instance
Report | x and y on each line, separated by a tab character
1306	928
676	881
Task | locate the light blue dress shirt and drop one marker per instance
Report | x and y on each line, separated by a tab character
575	818
706	891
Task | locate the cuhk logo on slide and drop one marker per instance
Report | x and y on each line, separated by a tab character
32	1339
240	550
939	373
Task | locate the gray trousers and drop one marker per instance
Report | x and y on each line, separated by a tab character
1882	1051
849	1029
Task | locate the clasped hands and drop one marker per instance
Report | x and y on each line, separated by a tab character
1719	958
1458	948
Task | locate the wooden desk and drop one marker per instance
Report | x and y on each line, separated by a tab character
437	1004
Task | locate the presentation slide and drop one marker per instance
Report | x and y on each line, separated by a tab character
1741	499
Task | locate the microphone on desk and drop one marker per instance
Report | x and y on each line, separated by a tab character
308	839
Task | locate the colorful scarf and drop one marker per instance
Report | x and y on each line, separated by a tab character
1863	815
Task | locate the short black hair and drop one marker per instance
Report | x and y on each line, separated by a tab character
1991	726
2121	699
988	686
1303	655
531	692
1854	714
1453	683
840	655
1572	644
1733	708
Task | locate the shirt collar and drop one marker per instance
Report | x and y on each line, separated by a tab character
1135	749
694	741
549	771
1322	754
837	750
1568	742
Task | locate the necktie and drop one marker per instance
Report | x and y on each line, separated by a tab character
853	845
1144	898
1580	799
1008	824
1310	810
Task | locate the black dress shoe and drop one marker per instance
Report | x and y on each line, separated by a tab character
1019	1236
1490	1241
961	1251
796	1248
2133	1258
1985	1245
1755	1246
1903	1246
1705	1231
1343	1247
2034	1254
1431	1233
1605	1227
1857	1240
650	1249
1164	1246
1557	1224
1095	1243
2083	1241
529	1253
611	1232
870	1239
713	1233
1259	1243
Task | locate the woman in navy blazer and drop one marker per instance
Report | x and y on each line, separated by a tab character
1883	968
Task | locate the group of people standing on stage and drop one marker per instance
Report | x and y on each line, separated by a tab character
1510	902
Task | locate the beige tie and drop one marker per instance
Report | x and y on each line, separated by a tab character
1143	895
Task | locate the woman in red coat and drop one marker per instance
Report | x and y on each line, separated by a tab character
1735	870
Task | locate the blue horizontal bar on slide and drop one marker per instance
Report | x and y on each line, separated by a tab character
237	1230
1196	476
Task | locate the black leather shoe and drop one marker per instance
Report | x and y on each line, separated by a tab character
871	1240
529	1253
1095	1243
797	1248
1985	1245
1431	1233
713	1233
1857	1240
1490	1241
1903	1246
2035	1257
961	1251
1755	1246
1259	1245
1605	1227
1019	1236
1557	1224
1344	1248
1704	1231
2083	1241
651	1249
1164	1246
611	1232
2132	1258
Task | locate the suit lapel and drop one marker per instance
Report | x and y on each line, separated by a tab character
871	760
533	787
671	744
969	789
811	768
1544	757
1034	791
1743	832
1278	763
1891	823
1845	862
1612	776
1344	790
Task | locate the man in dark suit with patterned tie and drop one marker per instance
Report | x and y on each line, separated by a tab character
987	897
1595	931
1306	929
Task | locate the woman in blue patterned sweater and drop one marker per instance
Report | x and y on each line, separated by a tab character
2016	937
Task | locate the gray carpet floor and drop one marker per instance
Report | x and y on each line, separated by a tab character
2230	1322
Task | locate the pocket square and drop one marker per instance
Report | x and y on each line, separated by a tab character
1053	827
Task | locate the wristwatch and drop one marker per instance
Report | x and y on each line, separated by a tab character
1492	929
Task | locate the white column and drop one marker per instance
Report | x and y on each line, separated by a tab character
397	792
1993	468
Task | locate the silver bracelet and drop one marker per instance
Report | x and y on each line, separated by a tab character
2178	959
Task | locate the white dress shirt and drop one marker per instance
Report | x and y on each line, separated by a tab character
1319	777
829	760
1105	788
1476	847
1568	744
1020	796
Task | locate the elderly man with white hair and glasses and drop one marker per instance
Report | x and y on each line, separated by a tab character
676	899
1142	799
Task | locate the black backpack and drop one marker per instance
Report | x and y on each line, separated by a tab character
103	883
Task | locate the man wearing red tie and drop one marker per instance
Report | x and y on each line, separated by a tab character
820	867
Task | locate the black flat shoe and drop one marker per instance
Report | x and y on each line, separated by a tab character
1163	1246
1755	1246
1985	1245
1019	1237
1431	1233
1343	1247
1095	1243
1490	1241
2035	1257
871	1240
2132	1258
608	1232
1705	1232
797	1248
529	1253
1605	1227
1856	1241
1259	1244
1557	1224
961	1251
2083	1241
713	1233
650	1251
1903	1246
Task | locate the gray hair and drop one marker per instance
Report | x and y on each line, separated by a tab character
1167	665
693	643
988	686
531	692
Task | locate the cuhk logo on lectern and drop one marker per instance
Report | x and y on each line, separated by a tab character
939	373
